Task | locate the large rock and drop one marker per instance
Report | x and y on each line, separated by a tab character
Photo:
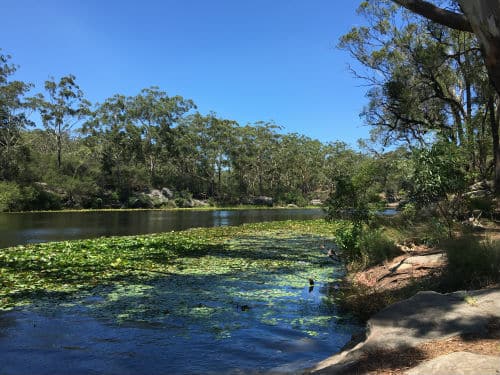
199	203
157	198
167	193
263	201
459	363
481	189
425	317
316	202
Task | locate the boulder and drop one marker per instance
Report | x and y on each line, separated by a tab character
316	202
167	193
157	198
459	363
263	201
199	203
425	317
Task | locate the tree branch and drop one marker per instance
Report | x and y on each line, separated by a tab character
442	16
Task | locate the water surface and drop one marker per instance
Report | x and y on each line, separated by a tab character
226	314
33	227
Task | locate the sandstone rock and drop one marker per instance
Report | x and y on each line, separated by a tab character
459	363
316	202
157	198
167	193
263	200
424	317
199	203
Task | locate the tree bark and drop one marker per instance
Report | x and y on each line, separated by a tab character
442	16
484	18
496	141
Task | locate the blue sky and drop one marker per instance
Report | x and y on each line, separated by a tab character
246	60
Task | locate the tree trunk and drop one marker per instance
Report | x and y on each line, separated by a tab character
494	118
59	151
484	18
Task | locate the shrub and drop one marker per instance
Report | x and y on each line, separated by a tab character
364	247
375	247
472	263
347	237
10	195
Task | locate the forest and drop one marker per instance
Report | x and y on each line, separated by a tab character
433	114
109	154
112	154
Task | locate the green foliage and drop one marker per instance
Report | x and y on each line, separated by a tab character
362	247
439	179
347	237
293	197
14	153
472	263
10	195
438	172
376	247
139	201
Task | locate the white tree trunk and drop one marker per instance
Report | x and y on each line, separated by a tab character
484	17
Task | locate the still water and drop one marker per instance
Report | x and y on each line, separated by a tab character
244	320
33	227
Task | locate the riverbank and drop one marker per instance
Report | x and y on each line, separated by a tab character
413	331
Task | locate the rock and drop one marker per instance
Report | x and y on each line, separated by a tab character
476	194
167	193
482	185
459	363
263	201
291	205
474	224
424	317
157	198
316	202
480	190
199	203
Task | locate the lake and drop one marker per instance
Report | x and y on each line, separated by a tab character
33	227
246	307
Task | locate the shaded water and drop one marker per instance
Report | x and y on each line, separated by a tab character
32	227
232	317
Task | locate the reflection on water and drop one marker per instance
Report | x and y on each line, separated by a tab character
23	228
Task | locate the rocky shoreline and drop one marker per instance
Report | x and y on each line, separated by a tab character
400	338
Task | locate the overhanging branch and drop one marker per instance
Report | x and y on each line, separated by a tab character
442	16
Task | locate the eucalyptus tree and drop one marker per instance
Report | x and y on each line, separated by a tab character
155	114
117	144
64	107
301	166
212	139
481	17
254	158
13	121
426	81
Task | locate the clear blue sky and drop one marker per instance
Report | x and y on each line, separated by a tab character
246	60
